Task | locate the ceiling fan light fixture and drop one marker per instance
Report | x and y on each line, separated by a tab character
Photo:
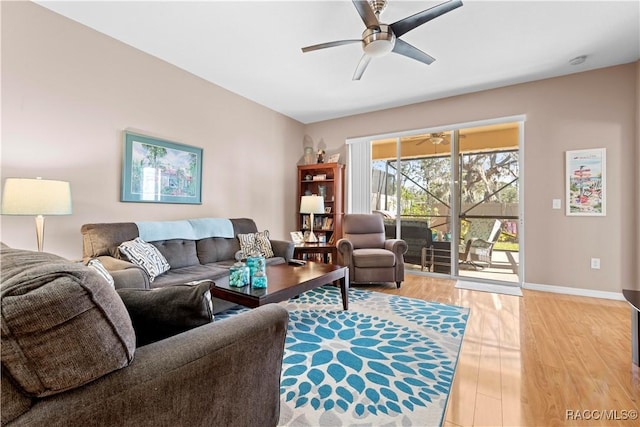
436	140
378	41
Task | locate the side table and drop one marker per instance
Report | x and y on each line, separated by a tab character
329	252
633	298
437	257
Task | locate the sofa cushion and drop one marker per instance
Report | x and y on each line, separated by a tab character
214	249
256	242
159	313
192	273
13	402
62	324
178	252
145	256
373	258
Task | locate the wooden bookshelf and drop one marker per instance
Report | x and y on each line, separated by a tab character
327	178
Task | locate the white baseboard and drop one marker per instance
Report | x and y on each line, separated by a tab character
574	291
489	287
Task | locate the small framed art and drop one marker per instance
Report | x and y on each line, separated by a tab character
297	237
586	182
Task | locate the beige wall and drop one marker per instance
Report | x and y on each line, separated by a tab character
586	110
636	252
67	94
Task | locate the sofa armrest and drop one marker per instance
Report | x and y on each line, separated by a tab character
345	252
397	246
125	274
282	248
223	373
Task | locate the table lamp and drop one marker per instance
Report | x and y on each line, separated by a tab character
312	205
27	196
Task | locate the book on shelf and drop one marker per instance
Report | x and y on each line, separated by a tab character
327	223
306	222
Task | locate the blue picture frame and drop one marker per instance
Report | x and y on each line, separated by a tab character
160	171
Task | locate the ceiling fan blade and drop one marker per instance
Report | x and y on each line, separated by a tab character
362	65
403	48
366	13
329	44
409	23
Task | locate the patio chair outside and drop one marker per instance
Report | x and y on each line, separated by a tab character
479	241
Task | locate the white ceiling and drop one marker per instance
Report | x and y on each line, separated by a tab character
252	48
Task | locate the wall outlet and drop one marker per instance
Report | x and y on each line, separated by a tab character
556	204
595	263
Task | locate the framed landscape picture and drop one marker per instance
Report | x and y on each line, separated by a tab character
159	171
586	182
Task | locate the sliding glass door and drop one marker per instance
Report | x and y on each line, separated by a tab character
454	197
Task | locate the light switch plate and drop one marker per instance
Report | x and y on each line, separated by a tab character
557	204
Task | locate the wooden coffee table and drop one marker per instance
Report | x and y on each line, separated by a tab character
285	281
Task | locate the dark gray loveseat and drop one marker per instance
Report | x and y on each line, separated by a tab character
190	259
69	356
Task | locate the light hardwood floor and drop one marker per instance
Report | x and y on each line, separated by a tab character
529	361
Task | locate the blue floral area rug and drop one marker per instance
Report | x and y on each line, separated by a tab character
388	360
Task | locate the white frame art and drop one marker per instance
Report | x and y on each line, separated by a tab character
297	237
585	183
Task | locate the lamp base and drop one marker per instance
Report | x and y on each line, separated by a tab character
40	231
311	238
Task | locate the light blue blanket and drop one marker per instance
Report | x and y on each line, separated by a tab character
189	229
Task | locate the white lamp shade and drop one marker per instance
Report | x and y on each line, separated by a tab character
26	196
312	205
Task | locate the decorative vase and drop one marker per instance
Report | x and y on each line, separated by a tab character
258	271
239	275
256	262
322	191
308	155
259	280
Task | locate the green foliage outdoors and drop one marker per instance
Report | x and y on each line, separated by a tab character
490	177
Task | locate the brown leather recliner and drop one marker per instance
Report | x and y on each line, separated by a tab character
370	256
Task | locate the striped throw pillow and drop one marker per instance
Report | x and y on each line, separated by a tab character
145	256
95	264
256	242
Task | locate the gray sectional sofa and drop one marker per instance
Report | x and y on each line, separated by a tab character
196	249
69	356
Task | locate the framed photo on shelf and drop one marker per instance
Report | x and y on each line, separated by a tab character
327	209
333	158
159	171
297	237
586	182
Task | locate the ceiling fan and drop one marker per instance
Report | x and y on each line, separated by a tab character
435	138
379	39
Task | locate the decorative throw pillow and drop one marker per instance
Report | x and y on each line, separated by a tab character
96	265
256	242
145	256
159	313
